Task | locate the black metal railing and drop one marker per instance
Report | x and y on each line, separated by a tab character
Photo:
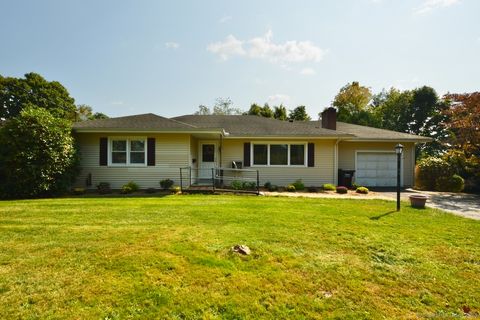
220	179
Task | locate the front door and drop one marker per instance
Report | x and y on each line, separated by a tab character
208	157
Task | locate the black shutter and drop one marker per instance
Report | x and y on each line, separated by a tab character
311	154
103	151
246	154
151	151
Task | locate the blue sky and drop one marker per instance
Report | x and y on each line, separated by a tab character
129	57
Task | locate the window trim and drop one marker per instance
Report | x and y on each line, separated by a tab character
128	139
288	143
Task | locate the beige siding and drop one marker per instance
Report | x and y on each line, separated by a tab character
172	151
313	176
346	156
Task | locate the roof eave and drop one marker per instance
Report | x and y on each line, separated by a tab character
143	130
303	136
422	139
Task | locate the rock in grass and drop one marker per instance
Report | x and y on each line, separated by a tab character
242	249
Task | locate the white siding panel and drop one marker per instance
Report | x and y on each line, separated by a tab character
318	175
172	151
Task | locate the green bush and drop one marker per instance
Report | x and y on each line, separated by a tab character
104	188
299	186
453	183
243	185
249	185
290	188
236	185
468	167
130	187
341	190
362	190
166	184
37	155
267	185
328	187
429	169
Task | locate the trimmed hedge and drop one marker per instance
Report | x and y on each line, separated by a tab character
429	170
454	183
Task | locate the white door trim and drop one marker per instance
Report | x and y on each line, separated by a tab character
202	173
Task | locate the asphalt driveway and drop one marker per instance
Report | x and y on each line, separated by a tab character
462	204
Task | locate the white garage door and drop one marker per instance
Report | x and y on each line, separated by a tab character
376	169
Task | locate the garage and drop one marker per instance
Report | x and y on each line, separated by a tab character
376	169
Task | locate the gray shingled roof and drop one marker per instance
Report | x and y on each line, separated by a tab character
148	121
369	133
242	126
251	126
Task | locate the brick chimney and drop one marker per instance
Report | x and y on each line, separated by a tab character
329	118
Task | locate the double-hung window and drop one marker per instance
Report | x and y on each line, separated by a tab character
128	151
279	154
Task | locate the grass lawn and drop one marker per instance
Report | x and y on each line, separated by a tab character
169	257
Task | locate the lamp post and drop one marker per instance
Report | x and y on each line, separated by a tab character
398	151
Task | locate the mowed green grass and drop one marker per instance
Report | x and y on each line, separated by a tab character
169	257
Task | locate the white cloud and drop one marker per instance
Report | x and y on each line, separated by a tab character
172	45
278	98
264	48
229	47
307	71
429	5
225	19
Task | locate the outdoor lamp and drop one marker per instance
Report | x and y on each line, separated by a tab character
398	151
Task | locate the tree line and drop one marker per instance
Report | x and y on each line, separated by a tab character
224	106
38	155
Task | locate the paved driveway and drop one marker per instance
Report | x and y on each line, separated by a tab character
462	204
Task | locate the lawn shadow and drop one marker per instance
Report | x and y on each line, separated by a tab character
382	215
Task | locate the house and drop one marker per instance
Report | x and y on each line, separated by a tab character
148	148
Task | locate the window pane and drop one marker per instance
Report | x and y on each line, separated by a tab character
278	154
297	154
119	157
260	154
119	145
137	157
137	145
208	152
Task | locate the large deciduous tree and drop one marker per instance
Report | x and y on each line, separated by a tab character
352	103
17	93
37	154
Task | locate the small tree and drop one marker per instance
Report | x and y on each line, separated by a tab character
37	154
280	113
299	114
